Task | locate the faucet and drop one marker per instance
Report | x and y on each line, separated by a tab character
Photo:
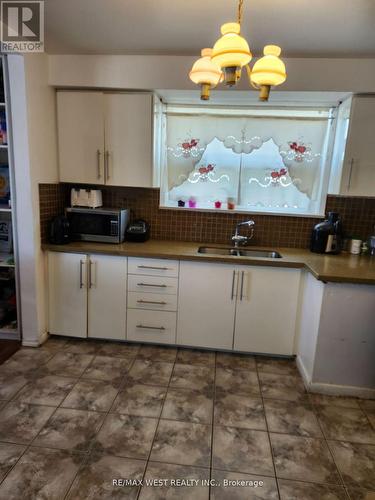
243	240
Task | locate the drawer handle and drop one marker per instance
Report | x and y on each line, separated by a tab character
161	303
153	267
151	327
151	284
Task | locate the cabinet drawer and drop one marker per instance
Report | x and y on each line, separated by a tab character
152	284
153	267
151	326
153	301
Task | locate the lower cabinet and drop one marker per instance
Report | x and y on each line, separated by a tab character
107	297
245	308
266	310
206	305
87	295
198	304
67	298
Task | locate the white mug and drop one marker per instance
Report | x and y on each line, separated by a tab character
355	247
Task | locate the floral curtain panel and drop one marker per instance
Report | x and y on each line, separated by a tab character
257	161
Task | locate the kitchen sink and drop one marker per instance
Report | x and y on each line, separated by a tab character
240	252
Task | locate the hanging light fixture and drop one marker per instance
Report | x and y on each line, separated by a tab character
229	55
206	73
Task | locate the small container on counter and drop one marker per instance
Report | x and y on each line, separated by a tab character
192	203
181	203
218	204
355	246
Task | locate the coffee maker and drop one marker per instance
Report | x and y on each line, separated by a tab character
326	236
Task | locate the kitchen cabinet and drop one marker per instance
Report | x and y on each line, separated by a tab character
87	295
245	308
106	297
206	305
80	121
67	277
358	165
105	138
266	310
152	300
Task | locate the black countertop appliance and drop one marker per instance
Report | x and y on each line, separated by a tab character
59	230
138	231
326	236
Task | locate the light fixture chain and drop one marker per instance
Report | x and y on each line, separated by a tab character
240	11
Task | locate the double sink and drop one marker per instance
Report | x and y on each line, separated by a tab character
240	252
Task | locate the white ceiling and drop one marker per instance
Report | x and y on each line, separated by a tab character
303	28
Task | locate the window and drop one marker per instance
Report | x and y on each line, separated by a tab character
253	160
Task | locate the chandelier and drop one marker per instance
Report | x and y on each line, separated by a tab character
231	53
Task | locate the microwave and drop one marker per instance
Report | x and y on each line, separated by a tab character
106	225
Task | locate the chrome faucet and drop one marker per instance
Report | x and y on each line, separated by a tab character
243	240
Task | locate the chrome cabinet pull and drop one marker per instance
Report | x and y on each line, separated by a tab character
81	262
153	267
232	292
350	173
98	156
242	280
151	327
151	284
106	165
161	303
90	274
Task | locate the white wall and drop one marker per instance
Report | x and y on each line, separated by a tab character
34	138
171	72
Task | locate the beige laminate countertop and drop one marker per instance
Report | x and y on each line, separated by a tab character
338	268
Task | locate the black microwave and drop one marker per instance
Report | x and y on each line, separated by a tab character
106	225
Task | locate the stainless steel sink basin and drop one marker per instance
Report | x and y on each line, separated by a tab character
240	252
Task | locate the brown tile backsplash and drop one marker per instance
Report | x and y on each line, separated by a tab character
358	215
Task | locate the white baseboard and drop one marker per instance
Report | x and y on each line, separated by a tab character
35	343
333	389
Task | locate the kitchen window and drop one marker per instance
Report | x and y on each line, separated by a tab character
267	160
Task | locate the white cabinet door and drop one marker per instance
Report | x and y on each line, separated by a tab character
359	165
107	276
206	305
67	279
80	120
266	310
128	139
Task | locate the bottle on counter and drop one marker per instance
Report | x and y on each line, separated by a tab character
327	236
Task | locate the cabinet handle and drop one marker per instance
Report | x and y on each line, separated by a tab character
161	303
151	327
106	165
90	274
151	284
350	173
232	292
81	262
98	156
242	280
153	267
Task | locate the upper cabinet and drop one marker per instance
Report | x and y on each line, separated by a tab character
353	166
105	138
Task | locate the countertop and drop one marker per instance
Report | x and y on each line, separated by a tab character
334	268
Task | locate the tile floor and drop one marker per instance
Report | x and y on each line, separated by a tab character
75	415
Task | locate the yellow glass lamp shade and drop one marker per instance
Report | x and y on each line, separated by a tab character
270	69
231	50
205	73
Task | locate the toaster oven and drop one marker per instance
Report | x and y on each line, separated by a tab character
105	225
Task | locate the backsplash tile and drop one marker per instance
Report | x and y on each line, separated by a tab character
358	216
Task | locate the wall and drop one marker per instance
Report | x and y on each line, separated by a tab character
170	72
34	138
184	225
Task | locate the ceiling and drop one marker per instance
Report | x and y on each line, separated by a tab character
303	28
